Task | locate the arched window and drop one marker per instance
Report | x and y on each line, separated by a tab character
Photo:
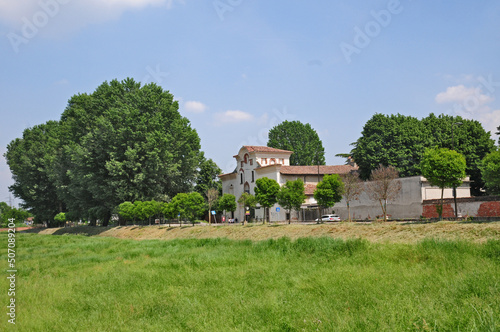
247	188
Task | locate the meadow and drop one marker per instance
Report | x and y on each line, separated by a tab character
89	283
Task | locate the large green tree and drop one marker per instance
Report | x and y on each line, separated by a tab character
31	161
329	191
300	138
443	168
123	142
490	168
400	141
291	196
396	140
266	193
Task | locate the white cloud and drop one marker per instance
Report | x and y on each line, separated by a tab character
194	107
490	121
472	103
56	17
232	116
462	94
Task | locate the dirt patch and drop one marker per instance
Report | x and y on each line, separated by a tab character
375	232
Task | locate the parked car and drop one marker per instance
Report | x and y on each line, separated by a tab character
329	217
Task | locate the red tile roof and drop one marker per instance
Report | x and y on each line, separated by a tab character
254	148
309	189
313	170
227	174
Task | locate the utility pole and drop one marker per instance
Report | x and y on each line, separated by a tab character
453	148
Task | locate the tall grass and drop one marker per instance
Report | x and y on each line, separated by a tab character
76	283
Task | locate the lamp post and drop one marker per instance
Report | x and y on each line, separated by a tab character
453	148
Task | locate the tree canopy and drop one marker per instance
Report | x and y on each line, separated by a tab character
329	190
291	196
490	168
266	192
123	142
443	168
400	141
300	138
31	161
189	206
207	177
227	202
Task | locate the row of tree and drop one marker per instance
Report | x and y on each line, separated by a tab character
8	212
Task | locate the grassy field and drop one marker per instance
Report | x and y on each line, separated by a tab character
81	283
394	232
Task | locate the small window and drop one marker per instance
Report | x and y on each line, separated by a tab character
253	176
241	178
264	161
251	162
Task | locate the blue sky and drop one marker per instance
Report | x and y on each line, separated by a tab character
239	67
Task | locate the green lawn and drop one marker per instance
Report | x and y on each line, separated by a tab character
78	283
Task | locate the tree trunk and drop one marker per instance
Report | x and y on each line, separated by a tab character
348	212
107	217
385	210
441	210
209	215
382	207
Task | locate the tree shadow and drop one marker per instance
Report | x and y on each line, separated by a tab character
78	230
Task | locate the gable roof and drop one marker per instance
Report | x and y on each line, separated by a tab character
256	148
313	170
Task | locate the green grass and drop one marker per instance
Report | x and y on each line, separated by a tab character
78	283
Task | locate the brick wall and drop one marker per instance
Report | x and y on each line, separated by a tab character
430	211
486	206
489	209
